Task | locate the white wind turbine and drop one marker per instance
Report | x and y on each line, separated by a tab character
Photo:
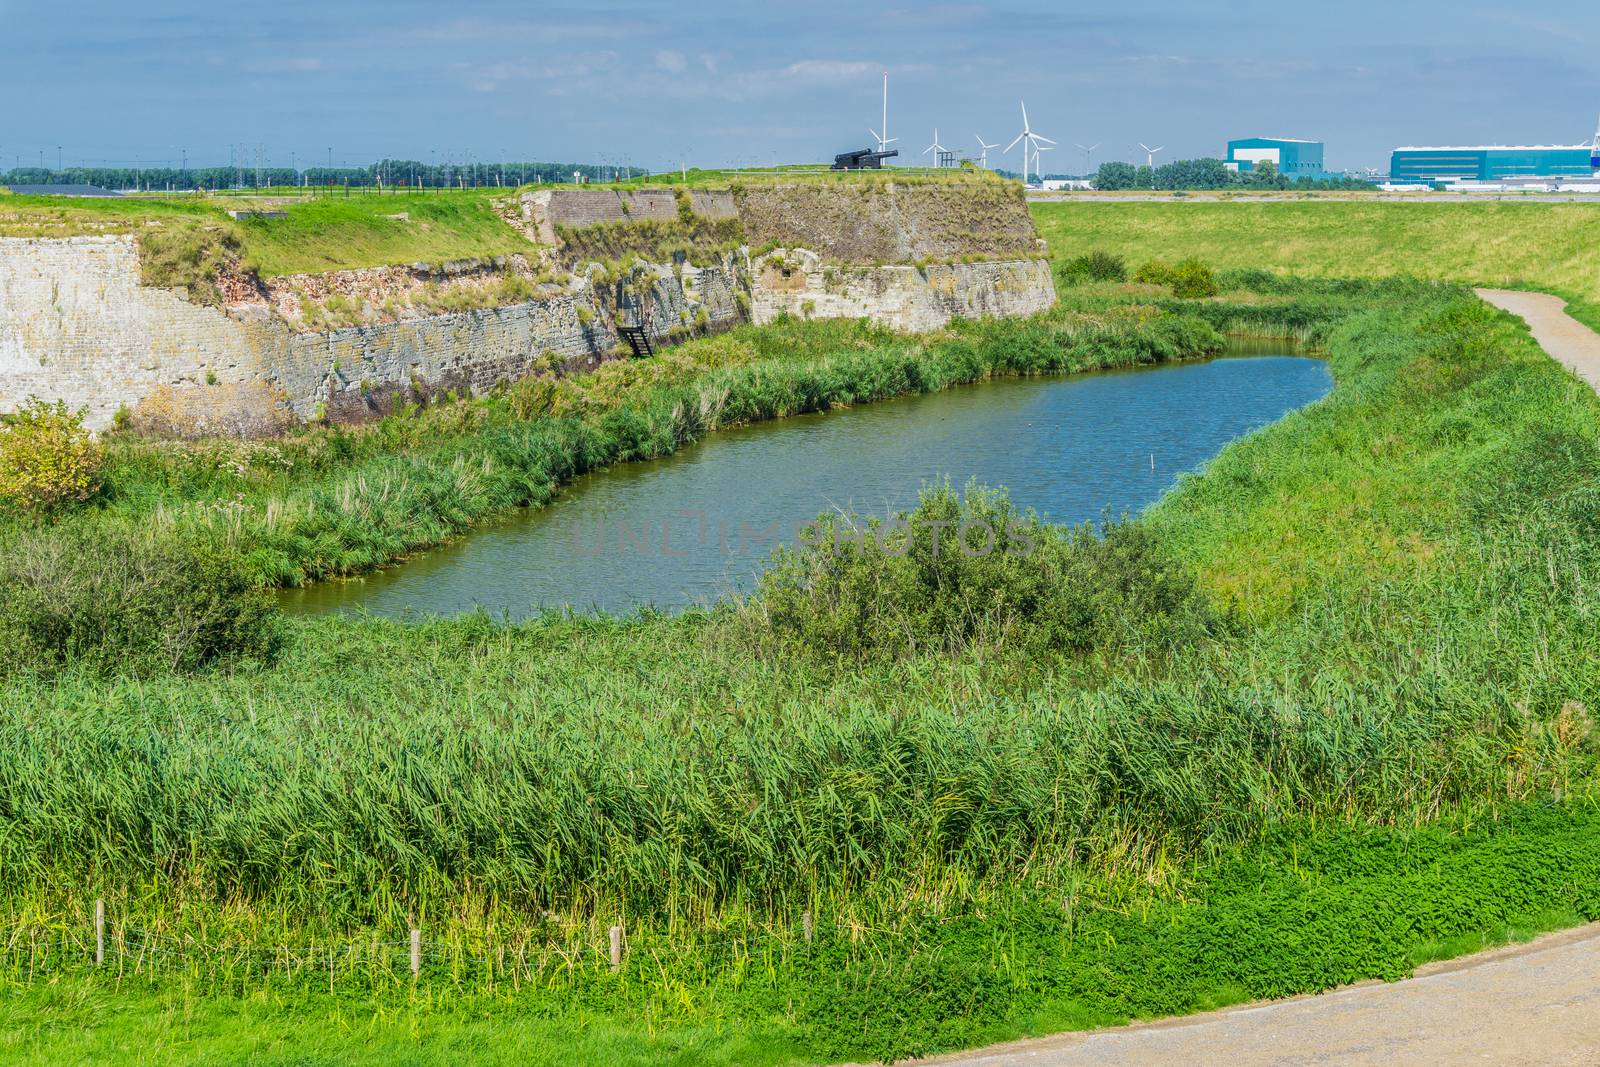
1150	154
1030	140
1038	169
1088	157
938	149
984	161
883	139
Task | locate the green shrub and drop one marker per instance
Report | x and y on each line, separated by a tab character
1096	266
125	602
1154	272
1192	280
965	571
48	461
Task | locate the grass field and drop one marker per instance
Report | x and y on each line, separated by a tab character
1529	245
1390	701
328	233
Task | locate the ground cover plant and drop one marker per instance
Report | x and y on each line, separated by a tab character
1377	747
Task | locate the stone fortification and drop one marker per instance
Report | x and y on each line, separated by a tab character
76	325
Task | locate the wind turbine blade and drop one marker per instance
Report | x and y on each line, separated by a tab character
1040	137
1013	144
1024	113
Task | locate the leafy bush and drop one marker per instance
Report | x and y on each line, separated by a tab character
125	602
968	571
1096	266
48	461
1192	280
1189	279
1154	272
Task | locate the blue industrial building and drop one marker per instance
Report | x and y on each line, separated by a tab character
1491	163
1295	159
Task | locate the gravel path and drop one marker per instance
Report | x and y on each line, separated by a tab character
1533	1005
1568	341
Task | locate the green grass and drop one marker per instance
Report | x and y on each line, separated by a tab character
1307	907
1520	245
320	234
1385	755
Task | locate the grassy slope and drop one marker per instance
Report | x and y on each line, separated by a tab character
1534	245
1412	651
329	233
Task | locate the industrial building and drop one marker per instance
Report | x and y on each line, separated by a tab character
1491	163
1295	159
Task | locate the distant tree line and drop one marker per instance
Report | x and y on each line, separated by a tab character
392	173
1212	174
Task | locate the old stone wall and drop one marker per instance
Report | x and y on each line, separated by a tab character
546	209
75	325
880	220
801	284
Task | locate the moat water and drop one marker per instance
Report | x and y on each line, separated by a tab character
701	524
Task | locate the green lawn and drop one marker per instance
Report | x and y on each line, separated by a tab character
1534	245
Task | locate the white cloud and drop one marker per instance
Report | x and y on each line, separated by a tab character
670	61
827	70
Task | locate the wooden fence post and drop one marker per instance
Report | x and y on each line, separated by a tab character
616	948
805	924
416	952
99	932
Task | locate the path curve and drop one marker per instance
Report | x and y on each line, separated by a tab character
1532	1005
1569	342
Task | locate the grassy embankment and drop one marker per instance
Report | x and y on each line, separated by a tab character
331	233
1380	752
1510	245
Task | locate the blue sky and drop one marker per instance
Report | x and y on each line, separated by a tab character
715	83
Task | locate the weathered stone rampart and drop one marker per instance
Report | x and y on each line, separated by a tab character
802	285
76	325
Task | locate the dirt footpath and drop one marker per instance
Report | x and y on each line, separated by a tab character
1568	341
1533	1005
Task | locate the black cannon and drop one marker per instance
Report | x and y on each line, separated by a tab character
862	159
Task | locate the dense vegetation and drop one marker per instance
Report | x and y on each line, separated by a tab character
1272	737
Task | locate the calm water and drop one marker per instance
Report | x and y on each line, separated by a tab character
691	527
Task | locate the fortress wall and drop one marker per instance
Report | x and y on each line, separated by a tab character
75	325
914	299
